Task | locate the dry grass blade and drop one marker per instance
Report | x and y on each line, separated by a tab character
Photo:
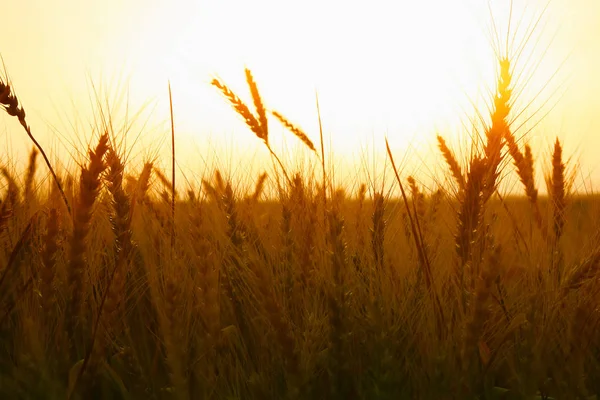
420	249
172	167
299	133
322	148
422	257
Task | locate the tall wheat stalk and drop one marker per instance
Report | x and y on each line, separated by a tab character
496	132
10	103
422	254
89	185
258	125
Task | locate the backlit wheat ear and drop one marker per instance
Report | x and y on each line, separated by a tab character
89	185
258	189
211	191
121	222
220	184
30	177
496	132
259	127
299	133
557	190
469	215
142	184
524	165
379	225
242	109
164	181
258	104
452	163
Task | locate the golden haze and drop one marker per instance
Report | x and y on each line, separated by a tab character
407	70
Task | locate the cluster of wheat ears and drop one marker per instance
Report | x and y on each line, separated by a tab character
113	285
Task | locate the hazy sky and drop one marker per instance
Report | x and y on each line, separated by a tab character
406	69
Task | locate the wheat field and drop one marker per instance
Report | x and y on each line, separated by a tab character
116	283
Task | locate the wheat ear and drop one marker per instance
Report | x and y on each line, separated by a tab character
299	133
258	126
10	103
557	190
30	177
89	185
499	126
452	163
524	165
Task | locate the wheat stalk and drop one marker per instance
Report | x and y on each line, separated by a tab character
89	186
10	103
121	223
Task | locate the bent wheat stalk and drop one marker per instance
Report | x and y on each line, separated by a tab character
10	103
424	261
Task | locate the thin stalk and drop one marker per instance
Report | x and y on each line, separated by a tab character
172	168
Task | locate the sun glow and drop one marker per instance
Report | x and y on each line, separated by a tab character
395	69
405	70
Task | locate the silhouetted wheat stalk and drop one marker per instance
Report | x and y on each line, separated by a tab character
89	185
10	103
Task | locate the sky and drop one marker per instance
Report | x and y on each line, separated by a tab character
406	70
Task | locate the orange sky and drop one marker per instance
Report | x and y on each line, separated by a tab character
402	68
